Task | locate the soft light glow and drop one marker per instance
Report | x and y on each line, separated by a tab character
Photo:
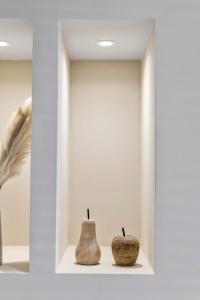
4	44
105	43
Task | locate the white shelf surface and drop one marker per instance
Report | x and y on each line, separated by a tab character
106	265
15	259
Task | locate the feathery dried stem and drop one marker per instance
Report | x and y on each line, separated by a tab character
16	143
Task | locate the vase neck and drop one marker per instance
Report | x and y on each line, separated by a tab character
88	229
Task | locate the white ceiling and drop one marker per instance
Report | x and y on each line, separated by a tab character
131	38
19	34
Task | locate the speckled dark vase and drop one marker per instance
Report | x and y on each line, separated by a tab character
125	250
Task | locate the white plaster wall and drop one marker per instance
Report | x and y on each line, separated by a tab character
177	208
15	87
62	150
104	147
148	151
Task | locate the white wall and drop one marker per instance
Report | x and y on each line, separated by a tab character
148	151
177	154
104	147
62	151
15	87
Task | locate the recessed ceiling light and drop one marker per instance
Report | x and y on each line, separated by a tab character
105	43
4	44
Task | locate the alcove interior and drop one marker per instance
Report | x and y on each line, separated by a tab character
15	88
106	139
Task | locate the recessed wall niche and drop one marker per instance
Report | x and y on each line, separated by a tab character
15	88
106	137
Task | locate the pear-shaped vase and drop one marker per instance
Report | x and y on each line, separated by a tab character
88	251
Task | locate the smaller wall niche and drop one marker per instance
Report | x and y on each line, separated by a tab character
15	88
105	119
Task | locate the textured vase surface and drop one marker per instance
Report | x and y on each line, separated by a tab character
125	250
88	251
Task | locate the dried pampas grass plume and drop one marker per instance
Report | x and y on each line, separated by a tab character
16	142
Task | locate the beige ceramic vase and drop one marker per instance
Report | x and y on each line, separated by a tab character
88	251
125	249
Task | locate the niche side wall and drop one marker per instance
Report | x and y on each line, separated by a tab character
62	150
15	87
148	151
